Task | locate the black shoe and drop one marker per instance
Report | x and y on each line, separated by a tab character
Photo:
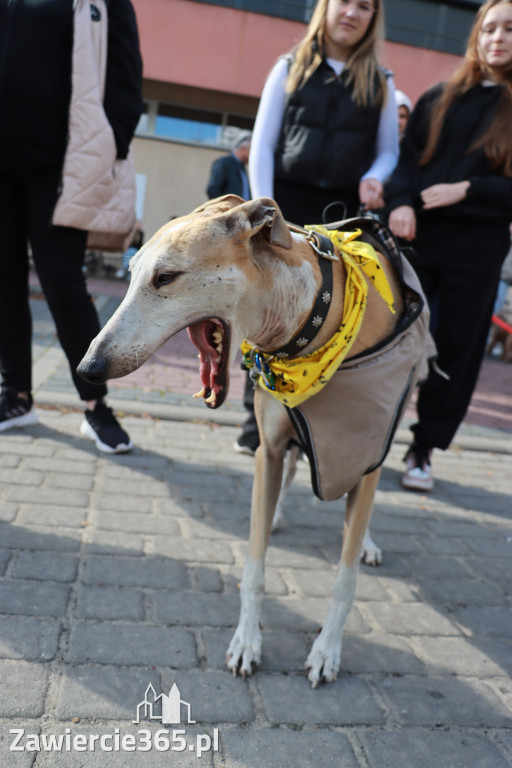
247	444
15	411
102	426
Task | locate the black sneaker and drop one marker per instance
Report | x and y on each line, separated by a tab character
247	444
102	426
15	411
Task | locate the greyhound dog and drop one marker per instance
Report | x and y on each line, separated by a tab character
233	270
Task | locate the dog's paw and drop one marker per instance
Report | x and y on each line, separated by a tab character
243	654
323	662
371	554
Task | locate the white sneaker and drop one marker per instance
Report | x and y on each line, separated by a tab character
418	475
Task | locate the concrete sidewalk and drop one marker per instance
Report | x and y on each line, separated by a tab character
117	572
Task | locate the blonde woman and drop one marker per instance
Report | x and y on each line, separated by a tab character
451	197
326	129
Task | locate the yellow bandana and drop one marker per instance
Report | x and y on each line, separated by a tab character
294	380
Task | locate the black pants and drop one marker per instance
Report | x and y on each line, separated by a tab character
458	263
26	207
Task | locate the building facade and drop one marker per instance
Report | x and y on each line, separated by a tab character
205	63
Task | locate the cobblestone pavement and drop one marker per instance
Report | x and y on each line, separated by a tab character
117	572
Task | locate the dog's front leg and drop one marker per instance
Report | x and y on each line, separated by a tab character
323	661
244	652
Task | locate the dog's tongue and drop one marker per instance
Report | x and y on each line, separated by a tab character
209	358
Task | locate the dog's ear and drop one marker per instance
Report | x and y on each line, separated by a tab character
264	220
219	204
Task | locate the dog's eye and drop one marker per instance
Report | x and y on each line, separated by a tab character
165	278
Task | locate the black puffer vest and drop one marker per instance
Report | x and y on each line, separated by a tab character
326	139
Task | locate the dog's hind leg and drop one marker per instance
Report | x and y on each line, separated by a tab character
244	651
289	471
323	661
371	554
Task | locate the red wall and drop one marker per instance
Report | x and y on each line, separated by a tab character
222	49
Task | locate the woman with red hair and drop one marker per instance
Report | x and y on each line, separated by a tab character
451	198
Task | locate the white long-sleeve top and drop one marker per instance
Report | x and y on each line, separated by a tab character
269	120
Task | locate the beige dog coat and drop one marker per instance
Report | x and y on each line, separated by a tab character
347	428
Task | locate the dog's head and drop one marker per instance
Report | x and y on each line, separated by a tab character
197	272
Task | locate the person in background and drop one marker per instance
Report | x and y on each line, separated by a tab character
123	273
404	106
451	198
228	175
39	59
326	131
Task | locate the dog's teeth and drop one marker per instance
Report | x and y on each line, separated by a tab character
201	393
212	399
217	336
219	347
218	359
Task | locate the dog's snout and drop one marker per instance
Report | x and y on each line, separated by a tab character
93	369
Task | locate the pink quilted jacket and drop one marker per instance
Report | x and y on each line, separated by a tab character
98	191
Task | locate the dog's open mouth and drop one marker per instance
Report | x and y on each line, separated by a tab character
212	337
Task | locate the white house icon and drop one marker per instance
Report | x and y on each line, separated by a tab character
171	706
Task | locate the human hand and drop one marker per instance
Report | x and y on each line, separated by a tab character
402	222
371	193
441	195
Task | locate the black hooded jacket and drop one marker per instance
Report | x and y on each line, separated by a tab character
36	43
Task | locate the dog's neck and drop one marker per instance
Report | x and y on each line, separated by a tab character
288	291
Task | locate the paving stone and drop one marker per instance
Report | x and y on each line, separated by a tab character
487	567
131	644
180	508
45	566
28	639
193	550
10	759
117	501
116	543
18	537
439	701
196	608
438	567
135	488
23	689
206	579
58	517
378	653
306	614
411	619
496	548
138	758
461	592
482	657
124	521
282	651
436	545
110	603
291	700
53	496
75	482
321	583
61	465
495	622
277	747
426	749
20	477
33	599
136	572
5	556
106	692
214	697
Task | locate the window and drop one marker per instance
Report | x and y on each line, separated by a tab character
191	125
